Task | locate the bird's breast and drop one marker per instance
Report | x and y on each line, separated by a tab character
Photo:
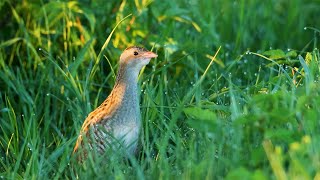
126	123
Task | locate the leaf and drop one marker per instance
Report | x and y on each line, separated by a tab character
202	119
281	115
283	135
258	174
275	54
292	54
239	173
200	114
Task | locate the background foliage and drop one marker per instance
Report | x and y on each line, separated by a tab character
251	113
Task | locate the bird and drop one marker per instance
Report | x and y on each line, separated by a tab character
116	123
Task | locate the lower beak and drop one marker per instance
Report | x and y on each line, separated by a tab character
150	54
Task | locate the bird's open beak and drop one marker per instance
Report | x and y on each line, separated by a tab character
150	54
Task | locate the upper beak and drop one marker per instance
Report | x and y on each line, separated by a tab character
150	54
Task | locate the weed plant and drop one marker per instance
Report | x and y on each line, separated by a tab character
233	94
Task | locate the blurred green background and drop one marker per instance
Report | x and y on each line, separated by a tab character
252	112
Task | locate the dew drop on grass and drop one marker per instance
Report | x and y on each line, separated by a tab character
29	147
305	28
40	49
69	110
48	94
245	73
165	92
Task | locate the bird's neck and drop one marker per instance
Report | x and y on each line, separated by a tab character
128	75
126	85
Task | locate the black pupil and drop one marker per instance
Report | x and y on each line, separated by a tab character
135	53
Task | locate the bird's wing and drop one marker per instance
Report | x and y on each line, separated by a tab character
91	120
104	112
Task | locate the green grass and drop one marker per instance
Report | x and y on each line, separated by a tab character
250	113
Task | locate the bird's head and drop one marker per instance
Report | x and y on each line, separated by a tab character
136	57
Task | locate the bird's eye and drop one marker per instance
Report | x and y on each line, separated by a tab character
135	53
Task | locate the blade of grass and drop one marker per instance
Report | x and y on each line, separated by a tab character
80	58
180	106
94	69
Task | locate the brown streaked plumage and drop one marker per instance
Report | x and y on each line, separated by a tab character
116	122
